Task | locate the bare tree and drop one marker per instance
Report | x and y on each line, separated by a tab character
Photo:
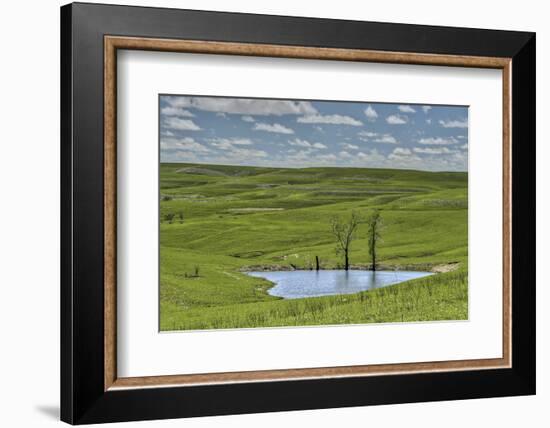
374	223
345	233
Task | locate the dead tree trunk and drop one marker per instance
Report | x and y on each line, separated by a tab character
346	260
316	262
375	224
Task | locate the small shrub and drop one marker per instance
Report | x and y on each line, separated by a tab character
169	217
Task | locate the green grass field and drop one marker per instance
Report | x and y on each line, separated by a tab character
218	221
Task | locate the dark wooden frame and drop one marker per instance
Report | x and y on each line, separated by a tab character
90	35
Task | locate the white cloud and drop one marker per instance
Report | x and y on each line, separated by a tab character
461	137
350	146
299	156
456	160
344	154
235	151
229	143
429	121
329	157
438	141
187	143
300	143
276	127
400	151
304	143
371	114
385	139
243	106
173	122
403	157
373	157
375	137
396	119
175	111
406	109
367	134
247	119
454	123
332	119
464	146
432	150
242	141
244	153
426	109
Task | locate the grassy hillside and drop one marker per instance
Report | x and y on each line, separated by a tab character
217	221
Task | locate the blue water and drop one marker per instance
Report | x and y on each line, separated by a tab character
309	283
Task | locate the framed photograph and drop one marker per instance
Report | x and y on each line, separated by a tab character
266	213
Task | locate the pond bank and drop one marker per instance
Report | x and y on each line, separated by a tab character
424	267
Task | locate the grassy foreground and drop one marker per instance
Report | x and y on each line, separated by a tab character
218	221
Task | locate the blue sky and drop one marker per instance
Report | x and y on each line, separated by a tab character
293	133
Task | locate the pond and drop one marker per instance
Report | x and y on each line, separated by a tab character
309	283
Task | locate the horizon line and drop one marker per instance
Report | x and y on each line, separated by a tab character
319	166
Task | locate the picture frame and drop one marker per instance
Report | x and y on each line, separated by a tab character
91	390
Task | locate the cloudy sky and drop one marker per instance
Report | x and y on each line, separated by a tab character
291	133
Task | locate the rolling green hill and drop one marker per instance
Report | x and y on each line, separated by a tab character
218	221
